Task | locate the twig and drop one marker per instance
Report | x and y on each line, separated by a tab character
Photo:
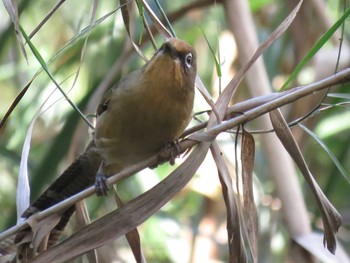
250	114
46	18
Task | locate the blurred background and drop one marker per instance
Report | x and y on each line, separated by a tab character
192	227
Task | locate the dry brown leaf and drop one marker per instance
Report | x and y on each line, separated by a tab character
201	137
12	9
330	217
228	92
134	242
31	241
124	6
8	246
221	107
200	86
7	243
14	103
42	230
225	98
312	243
82	214
157	23
83	219
237	252
123	220
133	236
249	208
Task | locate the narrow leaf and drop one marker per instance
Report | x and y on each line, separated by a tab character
123	220
228	92
15	103
126	18
133	236
23	188
249	209
200	86
165	17
12	8
237	252
8	246
157	23
42	230
312	243
330	217
323	40
83	50
45	67
217	64
143	24
35	239
46	18
330	153
83	219
345	96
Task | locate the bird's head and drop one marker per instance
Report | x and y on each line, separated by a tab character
175	60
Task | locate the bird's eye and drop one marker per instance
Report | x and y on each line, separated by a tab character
188	60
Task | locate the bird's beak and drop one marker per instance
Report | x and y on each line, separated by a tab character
168	49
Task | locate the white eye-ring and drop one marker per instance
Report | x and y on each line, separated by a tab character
188	60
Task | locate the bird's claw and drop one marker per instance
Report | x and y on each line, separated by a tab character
175	151
100	184
170	152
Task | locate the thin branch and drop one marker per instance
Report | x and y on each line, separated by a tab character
249	114
46	18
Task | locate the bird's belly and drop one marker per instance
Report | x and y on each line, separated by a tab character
130	143
139	127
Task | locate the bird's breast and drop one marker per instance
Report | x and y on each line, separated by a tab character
140	122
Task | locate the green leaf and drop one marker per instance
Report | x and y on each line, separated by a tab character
217	64
165	18
339	95
46	69
316	48
330	153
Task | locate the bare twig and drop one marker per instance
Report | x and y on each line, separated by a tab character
46	18
249	114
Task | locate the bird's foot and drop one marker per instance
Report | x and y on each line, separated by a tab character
169	153
100	184
175	151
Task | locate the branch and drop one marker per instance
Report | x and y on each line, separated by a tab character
250	110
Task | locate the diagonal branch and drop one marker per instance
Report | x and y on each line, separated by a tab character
251	110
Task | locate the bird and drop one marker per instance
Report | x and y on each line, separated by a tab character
143	113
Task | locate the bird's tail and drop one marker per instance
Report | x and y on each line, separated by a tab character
78	176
